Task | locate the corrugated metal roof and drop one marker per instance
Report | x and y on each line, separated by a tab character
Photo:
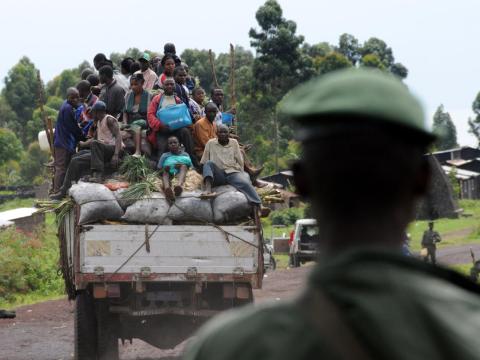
454	149
458	162
461	173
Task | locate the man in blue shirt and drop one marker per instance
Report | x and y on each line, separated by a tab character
67	135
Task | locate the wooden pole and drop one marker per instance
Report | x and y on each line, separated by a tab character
233	96
41	101
212	65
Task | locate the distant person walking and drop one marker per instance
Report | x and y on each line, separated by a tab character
429	240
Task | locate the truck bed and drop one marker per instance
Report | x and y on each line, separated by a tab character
102	253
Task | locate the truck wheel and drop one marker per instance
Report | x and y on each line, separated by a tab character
107	339
84	327
294	262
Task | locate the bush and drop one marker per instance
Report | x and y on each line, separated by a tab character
286	216
29	263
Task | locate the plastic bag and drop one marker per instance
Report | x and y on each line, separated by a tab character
96	202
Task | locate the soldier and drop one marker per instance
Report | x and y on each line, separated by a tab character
429	240
363	136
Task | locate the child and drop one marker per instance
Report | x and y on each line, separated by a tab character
172	163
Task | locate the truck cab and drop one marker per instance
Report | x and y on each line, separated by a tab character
303	242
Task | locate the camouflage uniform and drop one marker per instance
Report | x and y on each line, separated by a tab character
429	240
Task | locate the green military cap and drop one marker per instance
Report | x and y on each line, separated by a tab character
362	93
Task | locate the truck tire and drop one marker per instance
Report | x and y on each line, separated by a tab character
84	327
107	338
294	261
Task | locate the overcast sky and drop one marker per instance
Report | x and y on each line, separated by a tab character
436	39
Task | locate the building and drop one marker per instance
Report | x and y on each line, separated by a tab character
461	153
469	182
465	163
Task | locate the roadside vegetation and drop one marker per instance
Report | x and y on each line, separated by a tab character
29	262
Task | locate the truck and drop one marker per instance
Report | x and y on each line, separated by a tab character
303	242
157	283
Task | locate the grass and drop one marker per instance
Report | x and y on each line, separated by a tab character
460	231
282	260
29	263
17	203
463	269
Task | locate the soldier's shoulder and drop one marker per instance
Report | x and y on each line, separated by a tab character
247	333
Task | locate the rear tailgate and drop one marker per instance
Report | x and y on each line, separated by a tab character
175	249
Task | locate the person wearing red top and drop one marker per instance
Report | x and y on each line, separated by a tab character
159	132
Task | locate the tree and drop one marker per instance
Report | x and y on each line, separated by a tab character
474	124
278	67
348	46
60	83
376	53
444	127
32	169
331	62
199	64
35	125
379	48
399	70
316	50
8	117
20	92
373	61
10	146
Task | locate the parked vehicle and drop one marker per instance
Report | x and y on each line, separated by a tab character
303	242
268	259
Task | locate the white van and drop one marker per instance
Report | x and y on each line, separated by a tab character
303	242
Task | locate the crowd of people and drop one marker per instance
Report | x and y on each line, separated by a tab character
150	107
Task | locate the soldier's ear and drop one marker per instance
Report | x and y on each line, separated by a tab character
300	178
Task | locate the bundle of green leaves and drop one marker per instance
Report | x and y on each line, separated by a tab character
135	169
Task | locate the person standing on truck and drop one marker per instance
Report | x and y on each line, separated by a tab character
67	135
134	118
101	60
174	163
429	241
223	164
362	283
168	65
148	74
87	99
112	94
104	147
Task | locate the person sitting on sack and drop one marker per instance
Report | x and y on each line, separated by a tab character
223	164
206	129
173	163
104	147
137	101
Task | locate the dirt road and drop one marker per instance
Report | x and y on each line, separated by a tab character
44	331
